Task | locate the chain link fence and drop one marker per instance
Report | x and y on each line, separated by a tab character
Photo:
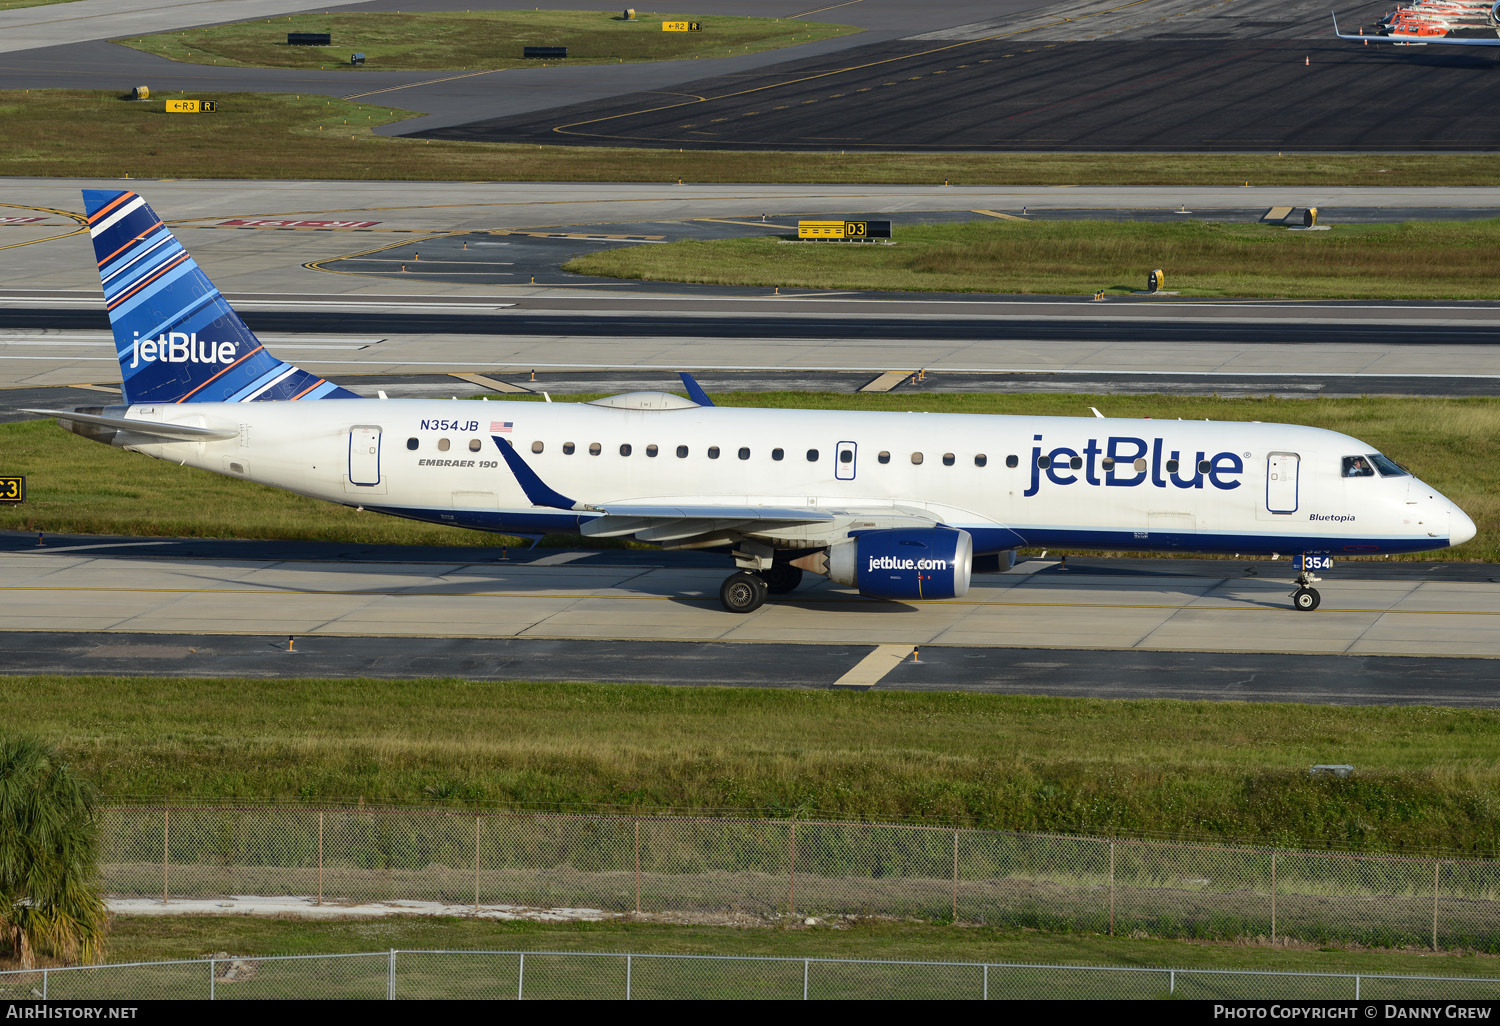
776	868
532	975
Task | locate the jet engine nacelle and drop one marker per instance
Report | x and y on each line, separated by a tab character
1495	13
905	563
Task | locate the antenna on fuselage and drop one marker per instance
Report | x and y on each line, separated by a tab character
1097	413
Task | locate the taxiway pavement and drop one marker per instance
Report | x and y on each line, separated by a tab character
1402	633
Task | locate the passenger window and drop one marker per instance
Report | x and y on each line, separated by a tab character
1044	462
884	457
847	456
1108	463
812	455
595	448
411	443
568	448
1203	466
1012	461
1357	466
744	454
682	452
1076	463
651	451
537	447
1172	466
442	445
948	459
625	449
475	445
713	452
777	454
1140	464
981	460
916	457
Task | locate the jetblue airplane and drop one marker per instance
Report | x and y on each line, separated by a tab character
897	505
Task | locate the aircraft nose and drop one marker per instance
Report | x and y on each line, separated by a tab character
1460	527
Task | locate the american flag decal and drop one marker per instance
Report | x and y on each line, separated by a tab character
501	427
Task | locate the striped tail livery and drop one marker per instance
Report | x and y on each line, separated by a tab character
177	339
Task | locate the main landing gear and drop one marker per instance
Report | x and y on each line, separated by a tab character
746	591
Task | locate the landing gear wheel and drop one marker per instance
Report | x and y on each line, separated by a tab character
782	578
744	592
1305	600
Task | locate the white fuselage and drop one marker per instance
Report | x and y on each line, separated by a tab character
1235	487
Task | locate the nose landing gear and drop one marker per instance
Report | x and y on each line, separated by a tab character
1306	598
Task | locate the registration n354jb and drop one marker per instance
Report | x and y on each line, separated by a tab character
897	505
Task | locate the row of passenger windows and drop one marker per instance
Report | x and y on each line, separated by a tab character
1354	466
713	452
813	455
444	445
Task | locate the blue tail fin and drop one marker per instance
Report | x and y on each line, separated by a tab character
177	339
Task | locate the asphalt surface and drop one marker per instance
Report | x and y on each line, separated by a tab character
1330	680
793	326
560	384
1024	94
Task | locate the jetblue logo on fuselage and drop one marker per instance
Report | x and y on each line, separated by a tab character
1134	461
179	347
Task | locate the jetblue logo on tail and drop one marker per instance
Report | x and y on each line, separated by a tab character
179	347
177	339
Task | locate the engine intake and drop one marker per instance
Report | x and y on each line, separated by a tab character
905	563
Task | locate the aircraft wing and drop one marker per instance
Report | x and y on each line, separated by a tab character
155	429
1399	38
677	522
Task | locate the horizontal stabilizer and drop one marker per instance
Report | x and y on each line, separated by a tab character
173	432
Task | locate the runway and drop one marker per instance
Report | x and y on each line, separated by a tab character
1387	632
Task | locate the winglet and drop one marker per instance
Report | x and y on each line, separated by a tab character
694	390
536	490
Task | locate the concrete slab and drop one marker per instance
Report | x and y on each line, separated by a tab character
1407	614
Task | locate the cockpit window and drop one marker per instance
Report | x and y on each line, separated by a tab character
1387	466
1357	466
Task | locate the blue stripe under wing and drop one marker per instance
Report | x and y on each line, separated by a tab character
176	337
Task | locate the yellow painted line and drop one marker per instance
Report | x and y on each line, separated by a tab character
1002	215
430	81
495	383
887	381
753	224
851	600
872	668
97	388
49	238
846	3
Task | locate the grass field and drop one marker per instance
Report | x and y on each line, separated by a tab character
1425	777
392	40
78	486
78	133
1415	260
11	5
159	938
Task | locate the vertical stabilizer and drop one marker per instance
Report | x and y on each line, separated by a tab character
177	339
